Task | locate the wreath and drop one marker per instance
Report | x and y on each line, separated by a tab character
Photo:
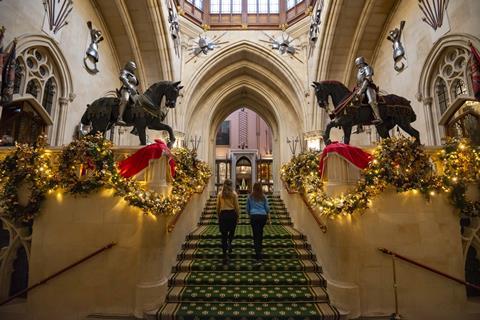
86	165
28	166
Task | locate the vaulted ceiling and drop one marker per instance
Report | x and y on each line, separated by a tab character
354	28
137	29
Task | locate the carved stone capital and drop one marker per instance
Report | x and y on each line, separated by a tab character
63	101
428	101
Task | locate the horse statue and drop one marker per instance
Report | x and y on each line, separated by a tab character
394	110
145	112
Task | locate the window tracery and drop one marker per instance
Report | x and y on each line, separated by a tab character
36	101
39	74
451	79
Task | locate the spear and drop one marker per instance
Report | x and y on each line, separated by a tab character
62	15
432	14
426	16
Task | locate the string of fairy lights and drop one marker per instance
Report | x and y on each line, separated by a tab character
397	162
84	166
87	164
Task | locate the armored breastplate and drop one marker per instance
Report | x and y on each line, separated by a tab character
131	78
363	73
360	75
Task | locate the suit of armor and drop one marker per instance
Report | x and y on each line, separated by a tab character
128	89
366	87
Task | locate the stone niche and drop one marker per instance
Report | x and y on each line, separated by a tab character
360	277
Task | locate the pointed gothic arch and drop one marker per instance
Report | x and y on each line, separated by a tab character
246	57
445	83
43	85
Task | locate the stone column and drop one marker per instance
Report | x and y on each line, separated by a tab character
340	175
61	119
159	178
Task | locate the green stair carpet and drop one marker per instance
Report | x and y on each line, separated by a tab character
288	285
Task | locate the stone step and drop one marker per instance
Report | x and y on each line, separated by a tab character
253	278
247	243
246	253
245	232
248	293
249	311
245	222
306	265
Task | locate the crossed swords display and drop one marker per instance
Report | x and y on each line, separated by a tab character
204	45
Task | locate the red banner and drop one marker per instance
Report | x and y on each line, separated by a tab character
354	155
475	70
139	160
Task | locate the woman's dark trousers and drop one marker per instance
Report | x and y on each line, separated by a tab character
228	222
258	221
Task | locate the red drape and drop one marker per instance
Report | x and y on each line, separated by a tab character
139	160
475	71
354	155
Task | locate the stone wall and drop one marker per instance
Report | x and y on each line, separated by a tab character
24	20
130	278
360	277
419	40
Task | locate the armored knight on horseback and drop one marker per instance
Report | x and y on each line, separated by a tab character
128	90
366	88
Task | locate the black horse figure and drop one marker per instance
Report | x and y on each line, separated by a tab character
394	110
103	112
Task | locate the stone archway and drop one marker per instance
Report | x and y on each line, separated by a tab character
245	77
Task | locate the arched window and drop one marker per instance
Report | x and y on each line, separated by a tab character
442	95
33	88
459	88
49	95
19	76
451	79
35	103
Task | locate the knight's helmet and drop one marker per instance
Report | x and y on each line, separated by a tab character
360	61
130	66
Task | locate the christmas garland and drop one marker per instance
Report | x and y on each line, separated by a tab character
461	163
85	166
28	166
191	176
398	162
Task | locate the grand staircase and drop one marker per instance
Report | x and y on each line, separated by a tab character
288	285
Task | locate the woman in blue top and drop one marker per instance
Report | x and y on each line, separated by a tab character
257	208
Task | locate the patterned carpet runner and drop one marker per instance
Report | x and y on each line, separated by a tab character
288	285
